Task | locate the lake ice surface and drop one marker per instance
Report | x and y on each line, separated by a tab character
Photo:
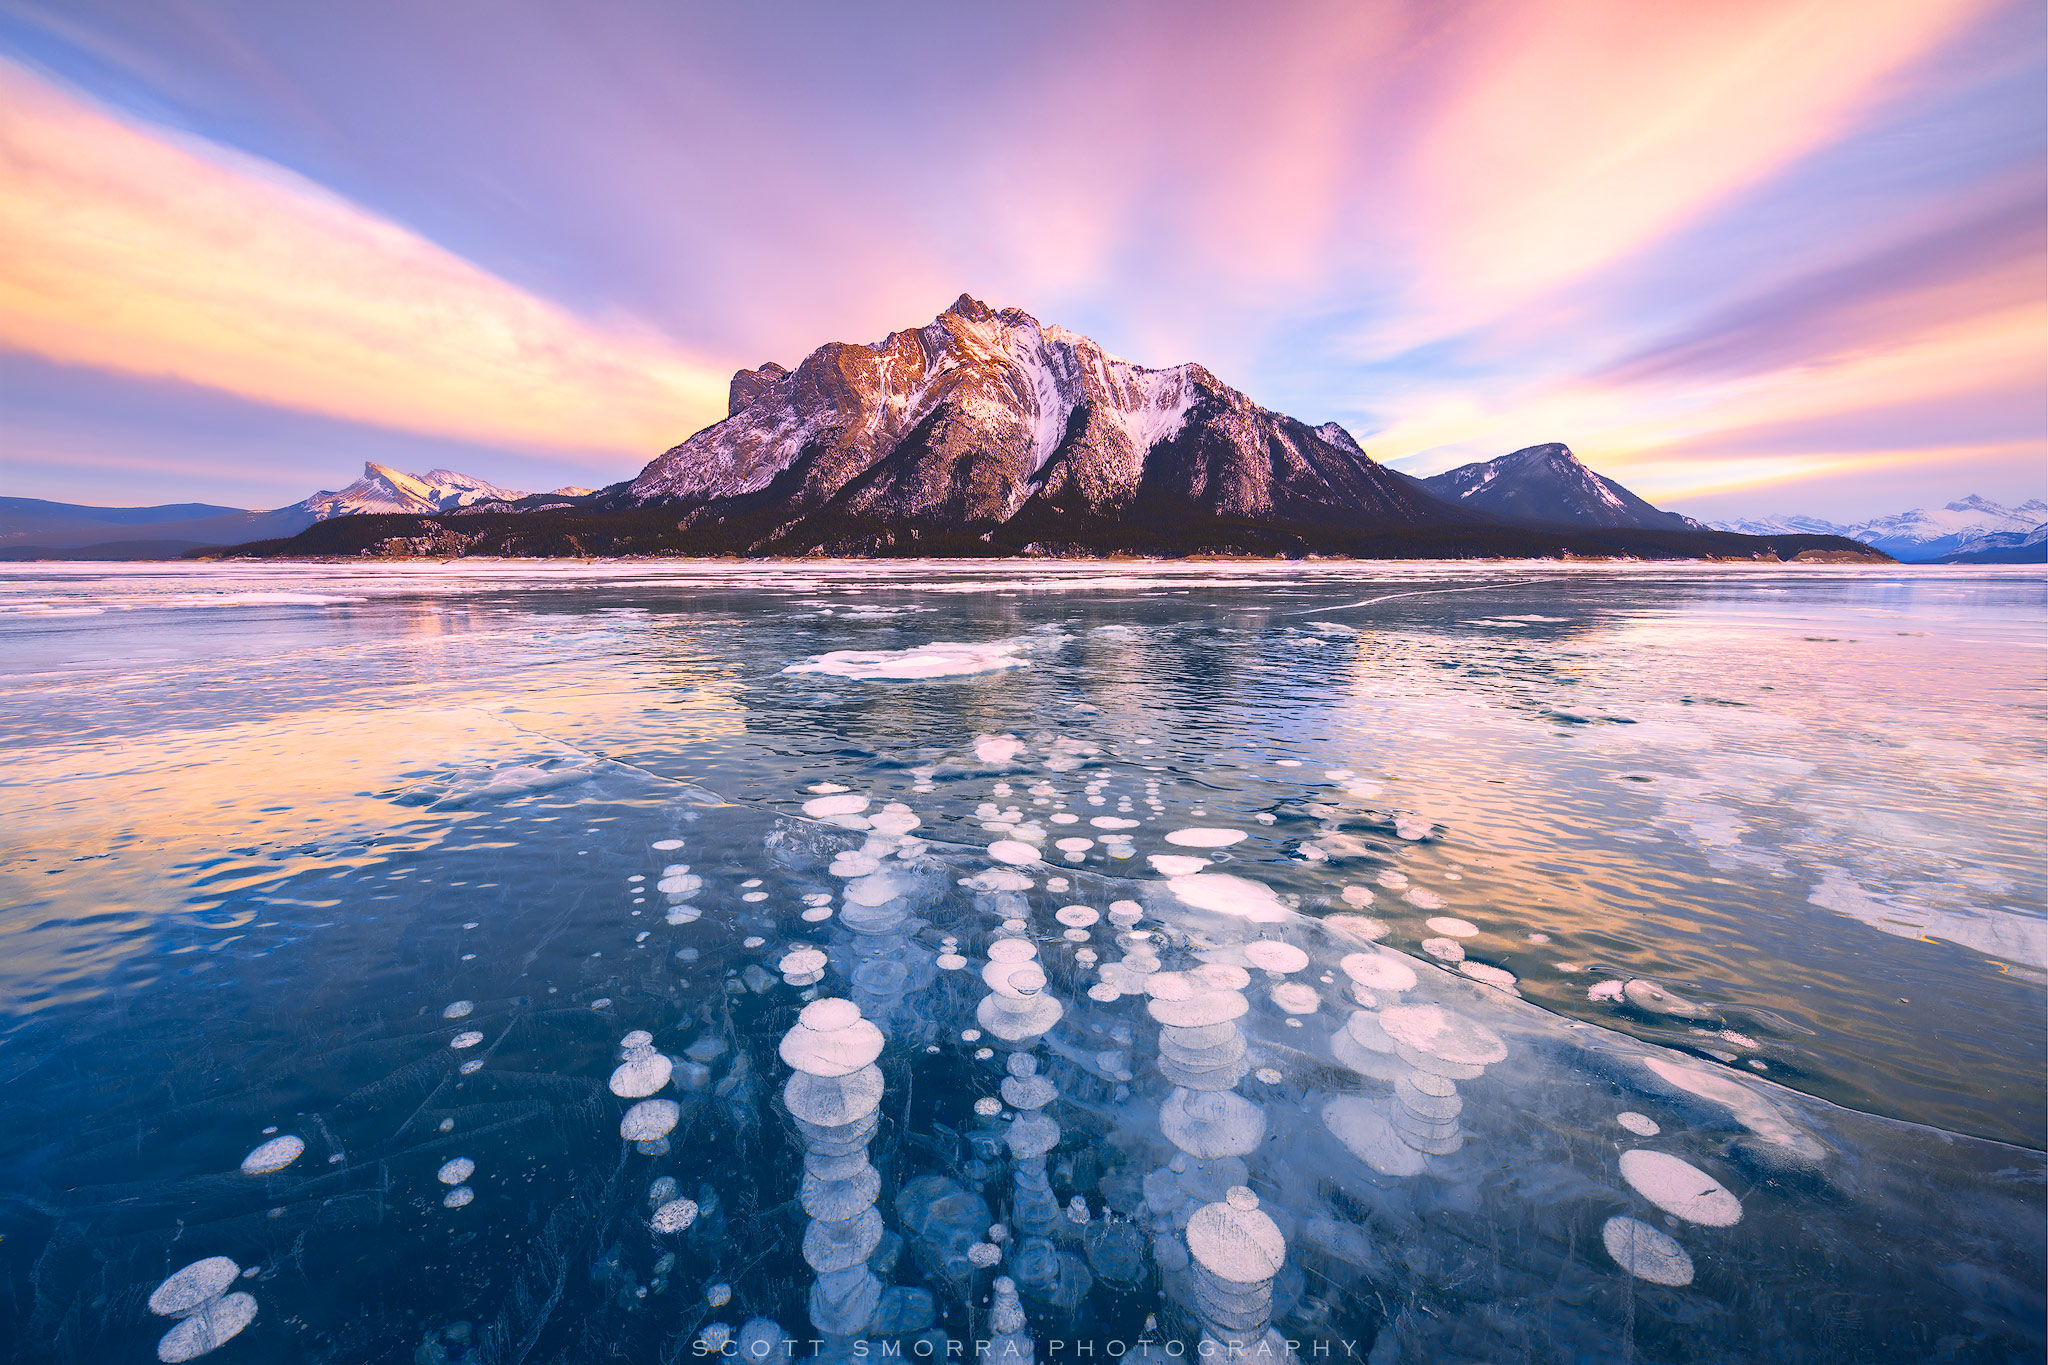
1743	862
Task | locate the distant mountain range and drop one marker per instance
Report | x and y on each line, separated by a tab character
985	432
1972	530
33	529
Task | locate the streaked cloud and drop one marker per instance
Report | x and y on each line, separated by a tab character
141	252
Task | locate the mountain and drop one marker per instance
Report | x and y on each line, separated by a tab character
986	432
1965	527
2002	547
33	529
385	490
1546	485
989	426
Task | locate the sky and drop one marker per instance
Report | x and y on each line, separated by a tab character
1748	257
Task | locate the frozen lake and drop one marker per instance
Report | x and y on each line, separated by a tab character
571	962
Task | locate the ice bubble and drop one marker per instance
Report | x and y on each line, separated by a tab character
802	962
1212	1123
1453	927
456	1171
1436	1031
718	1295
1199	1011
895	822
823	807
988	1106
1104	993
1642	1125
1444	949
1356	926
1205	838
1645	1252
1175	865
1272	955
193	1287
674	1216
470	1068
1740	1039
1112	822
641	1074
1294	998
1680	1188
1014	852
457	1198
833	1101
1236	1242
984	1254
1380	971
458	1010
1606	990
650	1119
951	962
1076	916
939	659
831	1039
273	1155
821	788
1365	1132
636	1040
1222	894
1648	995
603	1002
1411	827
1487	975
997	748
463	1040
1225	976
1357	897
666	845
754	897
208	1327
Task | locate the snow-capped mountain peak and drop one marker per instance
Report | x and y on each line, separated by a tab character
383	489
1550	485
1968	525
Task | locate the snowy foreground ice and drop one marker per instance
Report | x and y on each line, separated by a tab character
865	1003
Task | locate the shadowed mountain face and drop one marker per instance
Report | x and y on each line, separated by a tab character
1546	485
990	425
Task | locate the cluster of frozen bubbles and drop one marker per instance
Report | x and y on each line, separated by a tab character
1215	951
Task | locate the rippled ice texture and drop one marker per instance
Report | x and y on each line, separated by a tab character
1753	851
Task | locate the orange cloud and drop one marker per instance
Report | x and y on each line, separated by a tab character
147	253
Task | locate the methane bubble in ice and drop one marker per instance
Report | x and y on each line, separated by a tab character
1436	1031
642	1073
1380	971
1222	894
823	807
1234	1241
1606	990
650	1119
1365	1132
1076	916
1212	1123
1356	926
1205	838
997	748
194	1287
1648	995
939	659
1014	852
1294	998
208	1326
667	845
458	1197
638	1038
1175	865
1444	949
830	1039
456	1171
462	1040
1272	955
1642	1125
273	1155
1646	1253
459	1009
1487	975
674	1216
1453	927
1112	822
1680	1188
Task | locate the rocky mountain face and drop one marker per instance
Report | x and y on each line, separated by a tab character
386	490
1547	485
1971	526
991	425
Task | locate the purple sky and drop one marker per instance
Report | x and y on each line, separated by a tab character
1745	257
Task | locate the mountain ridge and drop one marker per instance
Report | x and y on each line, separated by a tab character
1970	525
1548	485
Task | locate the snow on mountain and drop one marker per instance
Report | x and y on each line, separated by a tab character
387	490
984	419
1965	526
1548	485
